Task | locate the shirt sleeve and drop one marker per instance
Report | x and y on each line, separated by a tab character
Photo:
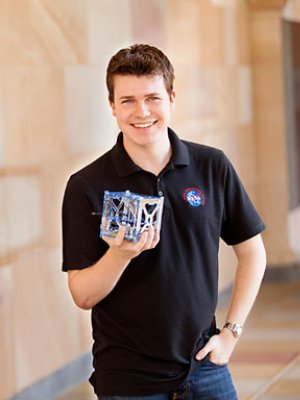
240	219
82	246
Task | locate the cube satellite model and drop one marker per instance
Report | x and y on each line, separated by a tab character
135	211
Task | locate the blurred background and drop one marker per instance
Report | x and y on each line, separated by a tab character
237	67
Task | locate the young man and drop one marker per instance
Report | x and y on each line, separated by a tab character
153	302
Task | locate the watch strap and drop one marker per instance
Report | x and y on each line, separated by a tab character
236	329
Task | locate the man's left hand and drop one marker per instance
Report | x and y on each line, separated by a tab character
219	347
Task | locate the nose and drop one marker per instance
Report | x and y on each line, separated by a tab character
142	109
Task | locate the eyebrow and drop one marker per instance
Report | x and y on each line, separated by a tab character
146	95
126	97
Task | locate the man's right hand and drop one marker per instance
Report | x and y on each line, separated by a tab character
129	250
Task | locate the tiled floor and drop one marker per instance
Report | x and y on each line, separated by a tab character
266	362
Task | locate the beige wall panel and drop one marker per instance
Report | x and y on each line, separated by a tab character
89	122
22	211
42	32
270	122
65	24
2	144
275	237
266	38
70	326
32	339
207	103
212	33
230	36
183	33
45	321
109	29
203	100
226	94
7	350
225	3
242	33
261	5
245	93
200	92
148	22
53	179
3	220
33	111
230	146
180	87
272	164
245	159
219	106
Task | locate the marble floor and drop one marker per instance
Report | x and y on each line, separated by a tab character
266	362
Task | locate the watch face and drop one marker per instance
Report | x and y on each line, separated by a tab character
238	331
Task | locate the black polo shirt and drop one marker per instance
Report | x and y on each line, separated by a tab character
149	328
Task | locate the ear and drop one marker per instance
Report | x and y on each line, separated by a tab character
113	107
172	99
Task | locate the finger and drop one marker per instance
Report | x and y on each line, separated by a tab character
141	243
156	238
205	350
145	240
120	236
150	237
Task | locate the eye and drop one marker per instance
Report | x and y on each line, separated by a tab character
126	101
153	98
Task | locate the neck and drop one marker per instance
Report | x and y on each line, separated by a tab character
150	158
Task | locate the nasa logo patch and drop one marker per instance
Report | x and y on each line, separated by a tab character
195	197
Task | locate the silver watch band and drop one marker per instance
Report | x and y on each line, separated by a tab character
236	329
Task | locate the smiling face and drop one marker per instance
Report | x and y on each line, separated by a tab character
142	107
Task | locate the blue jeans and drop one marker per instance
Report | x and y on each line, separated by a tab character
207	382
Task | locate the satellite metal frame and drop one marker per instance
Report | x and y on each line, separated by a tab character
136	211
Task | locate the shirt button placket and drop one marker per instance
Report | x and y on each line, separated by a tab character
159	191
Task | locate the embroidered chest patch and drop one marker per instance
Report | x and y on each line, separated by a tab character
195	197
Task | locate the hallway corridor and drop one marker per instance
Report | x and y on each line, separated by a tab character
266	363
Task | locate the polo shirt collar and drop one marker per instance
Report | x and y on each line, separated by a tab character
125	166
180	154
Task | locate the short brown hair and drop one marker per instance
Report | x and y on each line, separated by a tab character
139	59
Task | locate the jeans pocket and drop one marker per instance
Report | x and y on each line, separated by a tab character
214	365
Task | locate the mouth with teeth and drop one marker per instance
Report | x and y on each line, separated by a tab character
143	125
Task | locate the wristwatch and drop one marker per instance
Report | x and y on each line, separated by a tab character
236	329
